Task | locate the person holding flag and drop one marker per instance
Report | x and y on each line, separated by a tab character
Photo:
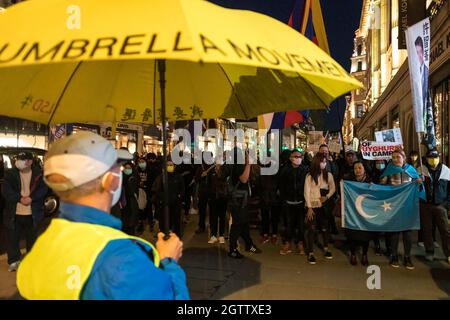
433	209
396	173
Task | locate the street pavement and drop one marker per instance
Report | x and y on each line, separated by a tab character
211	274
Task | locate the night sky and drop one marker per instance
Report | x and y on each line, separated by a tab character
341	21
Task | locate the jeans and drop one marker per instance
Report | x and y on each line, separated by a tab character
319	221
269	218
23	226
407	242
434	215
294	223
217	212
240	226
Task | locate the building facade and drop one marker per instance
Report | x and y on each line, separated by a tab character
386	102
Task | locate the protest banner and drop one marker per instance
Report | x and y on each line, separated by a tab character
315	139
418	44
372	150
390	135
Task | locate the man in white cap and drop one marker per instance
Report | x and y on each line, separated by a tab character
83	254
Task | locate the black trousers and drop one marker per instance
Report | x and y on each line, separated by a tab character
174	218
240	226
187	198
407	242
434	215
147	213
217	212
354	244
294	223
270	216
202	206
319	222
23	227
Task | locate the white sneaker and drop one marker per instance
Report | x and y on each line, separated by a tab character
420	244
436	245
14	266
212	240
221	240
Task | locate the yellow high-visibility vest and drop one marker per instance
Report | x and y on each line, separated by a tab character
62	259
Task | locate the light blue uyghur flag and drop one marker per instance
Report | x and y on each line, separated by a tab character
372	207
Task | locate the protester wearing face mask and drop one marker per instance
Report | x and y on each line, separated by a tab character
83	170
153	171
144	214
128	200
24	192
176	195
292	182
319	188
359	238
377	170
396	173
413	159
434	209
333	169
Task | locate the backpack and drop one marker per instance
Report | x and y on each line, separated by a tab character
142	199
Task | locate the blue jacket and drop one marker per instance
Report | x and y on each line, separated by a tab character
123	270
11	192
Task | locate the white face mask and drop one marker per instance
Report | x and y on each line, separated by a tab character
21	164
297	161
116	193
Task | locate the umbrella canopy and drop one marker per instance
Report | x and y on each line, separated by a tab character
219	62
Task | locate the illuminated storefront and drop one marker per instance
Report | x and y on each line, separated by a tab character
21	133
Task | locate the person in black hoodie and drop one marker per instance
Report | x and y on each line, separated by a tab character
204	188
434	209
23	191
153	171
270	205
176	195
146	213
238	174
187	172
128	200
292	195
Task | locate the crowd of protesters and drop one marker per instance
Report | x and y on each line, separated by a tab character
297	207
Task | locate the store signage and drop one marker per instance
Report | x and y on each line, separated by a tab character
410	12
440	47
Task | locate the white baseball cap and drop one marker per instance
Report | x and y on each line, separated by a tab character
81	157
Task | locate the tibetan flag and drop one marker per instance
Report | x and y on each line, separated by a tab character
307	18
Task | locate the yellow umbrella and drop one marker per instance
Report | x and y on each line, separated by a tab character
81	61
88	61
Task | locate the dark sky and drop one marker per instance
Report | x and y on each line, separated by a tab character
341	21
